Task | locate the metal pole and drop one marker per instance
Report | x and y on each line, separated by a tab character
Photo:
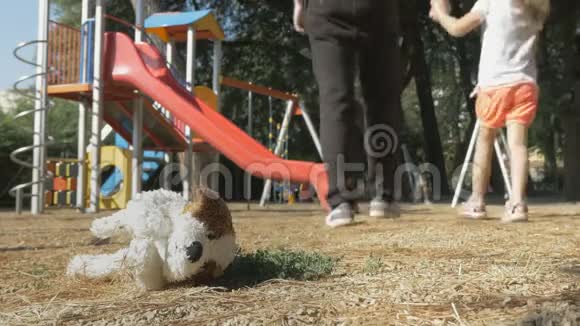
82	155
504	172
19	201
216	81
41	102
169	51
217	70
190	79
508	156
44	95
280	146
267	194
137	155
191	55
270	123
288	183
465	163
286	146
250	132
168	163
82	123
97	112
250	113
311	129
139	20
468	156
505	145
169	56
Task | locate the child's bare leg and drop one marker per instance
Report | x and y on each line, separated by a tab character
482	164
518	143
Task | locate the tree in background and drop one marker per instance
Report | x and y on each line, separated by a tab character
566	17
262	47
415	23
69	11
16	133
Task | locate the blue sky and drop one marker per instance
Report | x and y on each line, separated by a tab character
17	24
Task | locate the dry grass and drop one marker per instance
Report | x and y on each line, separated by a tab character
427	268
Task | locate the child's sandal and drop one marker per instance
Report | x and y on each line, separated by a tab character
515	213
473	211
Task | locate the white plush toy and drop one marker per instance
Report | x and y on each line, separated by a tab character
172	240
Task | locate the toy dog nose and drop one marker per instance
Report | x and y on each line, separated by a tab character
194	251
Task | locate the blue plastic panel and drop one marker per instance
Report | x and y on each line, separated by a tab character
175	18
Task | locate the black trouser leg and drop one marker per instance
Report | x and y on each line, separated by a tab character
341	36
380	75
334	69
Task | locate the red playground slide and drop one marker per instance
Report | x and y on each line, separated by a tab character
141	66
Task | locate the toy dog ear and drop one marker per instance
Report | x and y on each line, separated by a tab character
204	194
212	211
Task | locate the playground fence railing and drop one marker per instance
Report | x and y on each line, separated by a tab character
64	54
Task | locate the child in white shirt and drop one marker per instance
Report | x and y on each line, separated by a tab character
507	89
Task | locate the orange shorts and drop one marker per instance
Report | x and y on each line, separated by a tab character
499	106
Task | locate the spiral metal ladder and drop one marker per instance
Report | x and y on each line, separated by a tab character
39	112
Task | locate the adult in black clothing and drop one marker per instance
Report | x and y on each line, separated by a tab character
350	37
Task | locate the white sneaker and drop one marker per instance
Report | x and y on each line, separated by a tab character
340	216
355	208
383	209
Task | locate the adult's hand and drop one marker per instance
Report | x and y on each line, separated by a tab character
439	8
299	16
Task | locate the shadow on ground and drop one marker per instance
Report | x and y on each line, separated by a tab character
252	269
572	269
554	313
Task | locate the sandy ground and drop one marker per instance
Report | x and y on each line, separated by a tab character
427	268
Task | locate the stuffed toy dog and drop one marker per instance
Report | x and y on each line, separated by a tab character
172	240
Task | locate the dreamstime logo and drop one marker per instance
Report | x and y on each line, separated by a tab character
418	177
406	180
464	188
174	174
381	140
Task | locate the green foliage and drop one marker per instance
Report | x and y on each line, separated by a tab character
262	47
448	58
263	265
41	274
16	133
373	265
13	134
62	127
68	12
